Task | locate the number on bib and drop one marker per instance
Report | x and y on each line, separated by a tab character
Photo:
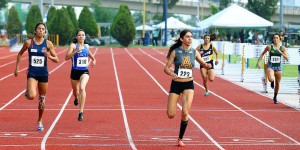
37	61
82	62
185	73
206	58
275	59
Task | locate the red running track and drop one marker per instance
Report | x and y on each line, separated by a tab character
126	109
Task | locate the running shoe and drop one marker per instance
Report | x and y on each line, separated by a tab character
80	116
180	143
75	101
206	94
275	101
40	127
272	85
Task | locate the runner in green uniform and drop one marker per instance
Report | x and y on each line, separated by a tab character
274	63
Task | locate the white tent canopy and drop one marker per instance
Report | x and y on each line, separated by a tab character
172	23
147	28
235	16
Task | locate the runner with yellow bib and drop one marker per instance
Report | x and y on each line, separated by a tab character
207	50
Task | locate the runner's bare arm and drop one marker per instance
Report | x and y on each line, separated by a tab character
201	61
51	54
23	49
261	55
71	51
217	55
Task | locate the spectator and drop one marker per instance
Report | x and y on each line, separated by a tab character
250	36
155	37
242	35
172	33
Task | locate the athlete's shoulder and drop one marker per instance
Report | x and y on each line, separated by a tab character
49	43
87	46
28	42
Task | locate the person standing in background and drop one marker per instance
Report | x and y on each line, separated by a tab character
155	37
250	36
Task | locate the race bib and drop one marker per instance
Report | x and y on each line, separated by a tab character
185	73
37	61
82	62
275	59
206	58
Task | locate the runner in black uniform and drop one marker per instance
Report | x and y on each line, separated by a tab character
207	50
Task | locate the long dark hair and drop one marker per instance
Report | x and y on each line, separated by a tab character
74	39
178	42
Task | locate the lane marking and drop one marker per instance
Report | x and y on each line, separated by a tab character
129	137
12	74
25	89
43	144
8	56
238	108
191	118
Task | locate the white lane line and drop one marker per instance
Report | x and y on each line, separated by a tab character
165	91
43	144
12	62
7	56
12	100
129	137
238	108
19	70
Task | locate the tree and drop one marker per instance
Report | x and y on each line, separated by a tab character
265	9
171	4
34	17
14	24
72	15
50	22
3	3
62	26
138	17
102	14
87	22
21	12
122	28
224	4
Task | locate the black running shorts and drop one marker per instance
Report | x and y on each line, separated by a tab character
39	78
209	62
76	74
179	87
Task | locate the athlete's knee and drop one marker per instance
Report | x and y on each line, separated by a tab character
30	96
81	89
171	114
184	115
